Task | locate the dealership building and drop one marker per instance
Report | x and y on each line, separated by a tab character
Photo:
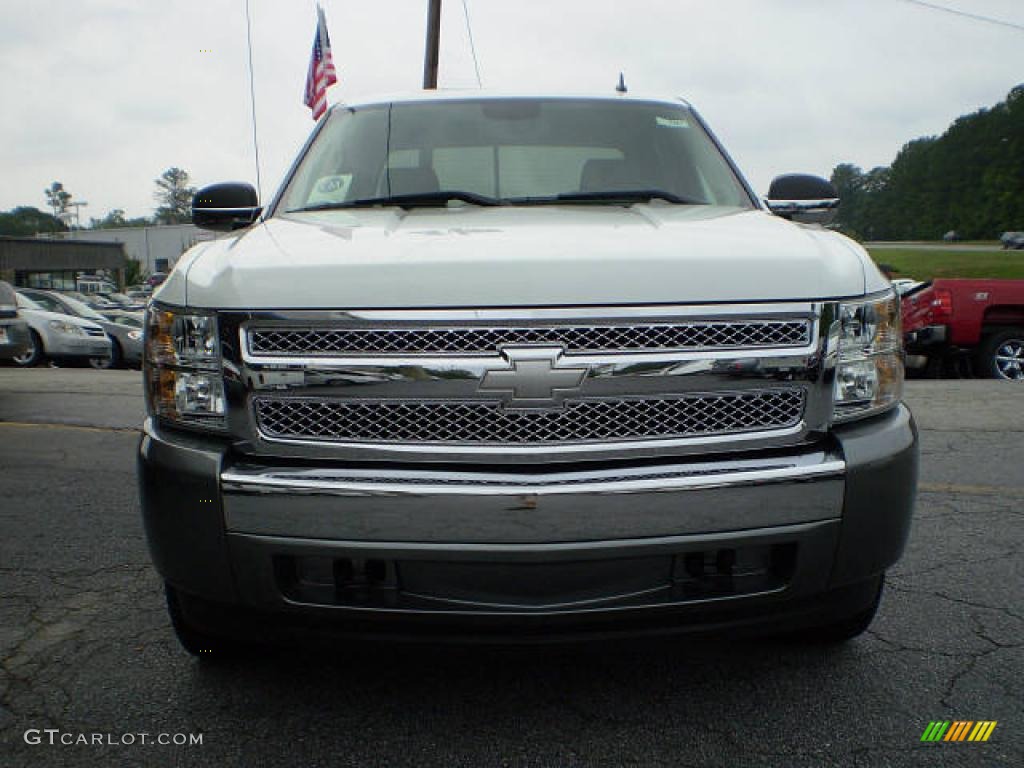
34	262
157	249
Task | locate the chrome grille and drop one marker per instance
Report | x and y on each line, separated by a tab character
703	335
581	421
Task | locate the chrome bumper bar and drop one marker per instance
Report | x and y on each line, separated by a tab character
505	507
665	479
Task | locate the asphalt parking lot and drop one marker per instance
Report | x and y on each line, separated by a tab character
86	648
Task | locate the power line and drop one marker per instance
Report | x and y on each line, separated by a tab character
472	46
252	100
965	14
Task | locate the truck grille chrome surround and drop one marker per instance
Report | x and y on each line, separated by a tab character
485	423
576	339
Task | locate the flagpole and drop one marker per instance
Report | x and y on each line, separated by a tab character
430	59
252	101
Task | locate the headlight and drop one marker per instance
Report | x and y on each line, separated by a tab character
134	335
184	382
869	367
69	328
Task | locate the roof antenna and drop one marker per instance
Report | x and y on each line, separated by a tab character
621	87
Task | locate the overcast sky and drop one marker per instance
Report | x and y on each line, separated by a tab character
104	95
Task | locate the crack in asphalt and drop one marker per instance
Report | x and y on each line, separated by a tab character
57	633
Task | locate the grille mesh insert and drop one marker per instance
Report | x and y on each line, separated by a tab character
321	342
581	421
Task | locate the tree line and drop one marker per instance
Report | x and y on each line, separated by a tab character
969	180
173	194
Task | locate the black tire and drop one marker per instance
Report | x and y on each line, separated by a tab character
35	354
116	359
210	648
1001	355
847	627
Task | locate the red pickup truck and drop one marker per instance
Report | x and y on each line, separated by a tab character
979	323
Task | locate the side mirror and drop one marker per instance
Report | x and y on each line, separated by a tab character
225	207
803	199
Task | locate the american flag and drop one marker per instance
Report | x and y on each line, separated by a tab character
321	73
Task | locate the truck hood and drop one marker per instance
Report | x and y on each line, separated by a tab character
467	256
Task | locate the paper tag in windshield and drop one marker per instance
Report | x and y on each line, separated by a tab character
673	122
330	189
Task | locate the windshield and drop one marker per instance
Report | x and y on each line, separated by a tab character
82	309
24	302
88	300
130	320
513	151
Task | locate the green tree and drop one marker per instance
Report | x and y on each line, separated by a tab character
970	179
25	221
115	219
175	197
133	272
57	198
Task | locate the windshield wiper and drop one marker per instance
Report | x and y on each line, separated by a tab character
414	200
608	195
629	196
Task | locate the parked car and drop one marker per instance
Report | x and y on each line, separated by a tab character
59	337
14	331
130	319
125	302
93	284
156	279
1012	240
95	300
126	346
496	365
977	321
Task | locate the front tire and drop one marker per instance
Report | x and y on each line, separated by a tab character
34	355
1002	355
200	644
114	361
850	626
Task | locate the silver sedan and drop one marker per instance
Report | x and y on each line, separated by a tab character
126	336
59	337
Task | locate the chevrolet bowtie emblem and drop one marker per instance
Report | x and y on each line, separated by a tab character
534	379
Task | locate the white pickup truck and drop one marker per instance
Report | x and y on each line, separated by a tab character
501	365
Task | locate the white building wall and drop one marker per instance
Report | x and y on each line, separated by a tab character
146	244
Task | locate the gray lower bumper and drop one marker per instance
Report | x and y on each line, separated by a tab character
273	537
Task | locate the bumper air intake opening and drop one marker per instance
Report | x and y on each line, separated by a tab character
734	571
330	581
496	585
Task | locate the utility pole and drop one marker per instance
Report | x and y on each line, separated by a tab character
78	204
433	45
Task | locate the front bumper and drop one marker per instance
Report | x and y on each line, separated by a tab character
66	346
14	338
736	541
131	351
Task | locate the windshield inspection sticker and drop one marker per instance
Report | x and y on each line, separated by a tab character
330	189
672	122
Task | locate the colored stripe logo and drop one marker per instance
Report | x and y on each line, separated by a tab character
959	730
